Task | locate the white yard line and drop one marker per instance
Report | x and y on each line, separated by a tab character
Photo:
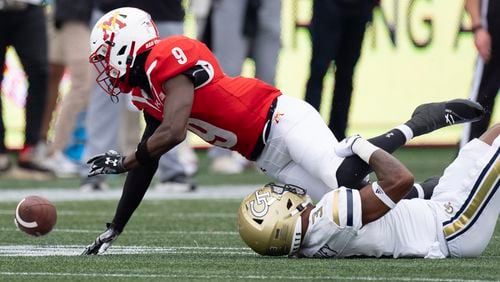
166	232
145	214
235	277
75	250
72	194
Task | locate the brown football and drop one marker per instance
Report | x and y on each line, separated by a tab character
35	215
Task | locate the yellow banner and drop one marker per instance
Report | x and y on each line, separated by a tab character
415	51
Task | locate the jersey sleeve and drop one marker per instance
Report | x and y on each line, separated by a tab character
342	207
171	58
332	223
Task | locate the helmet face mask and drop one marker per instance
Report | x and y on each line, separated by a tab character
116	40
280	189
269	219
107	75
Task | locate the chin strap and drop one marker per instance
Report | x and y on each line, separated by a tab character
299	208
297	233
297	237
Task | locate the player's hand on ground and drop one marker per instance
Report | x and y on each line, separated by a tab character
102	242
343	149
109	163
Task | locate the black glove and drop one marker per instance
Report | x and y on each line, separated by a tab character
109	163
103	241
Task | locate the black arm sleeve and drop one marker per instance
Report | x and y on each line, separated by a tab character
136	183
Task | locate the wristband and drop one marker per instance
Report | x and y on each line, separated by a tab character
379	192
364	149
142	154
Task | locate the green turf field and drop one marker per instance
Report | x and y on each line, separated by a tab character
197	239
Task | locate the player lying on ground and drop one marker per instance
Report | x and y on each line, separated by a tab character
179	85
458	220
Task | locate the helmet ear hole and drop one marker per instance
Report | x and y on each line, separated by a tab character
277	234
289	204
122	50
258	221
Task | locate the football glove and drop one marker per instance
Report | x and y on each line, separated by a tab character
109	163
102	242
343	149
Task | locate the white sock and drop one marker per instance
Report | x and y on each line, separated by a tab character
406	130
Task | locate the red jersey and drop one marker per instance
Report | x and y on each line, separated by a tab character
227	112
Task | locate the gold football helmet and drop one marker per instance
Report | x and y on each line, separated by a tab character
269	219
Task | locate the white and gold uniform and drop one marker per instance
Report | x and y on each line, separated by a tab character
458	221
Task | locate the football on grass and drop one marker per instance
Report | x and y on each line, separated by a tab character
35	215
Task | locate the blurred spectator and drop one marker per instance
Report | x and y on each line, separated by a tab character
178	165
485	17
200	10
23	27
337	31
240	30
69	33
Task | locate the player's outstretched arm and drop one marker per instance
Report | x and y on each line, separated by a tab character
134	189
172	130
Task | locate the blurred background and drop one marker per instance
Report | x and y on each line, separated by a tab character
413	52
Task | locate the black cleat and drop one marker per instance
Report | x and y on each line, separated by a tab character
429	117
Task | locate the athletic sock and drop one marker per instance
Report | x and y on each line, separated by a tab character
406	130
393	139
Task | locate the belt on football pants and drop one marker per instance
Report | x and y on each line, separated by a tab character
261	141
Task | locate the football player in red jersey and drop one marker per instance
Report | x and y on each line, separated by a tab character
179	85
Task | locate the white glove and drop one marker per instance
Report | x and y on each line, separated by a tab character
343	149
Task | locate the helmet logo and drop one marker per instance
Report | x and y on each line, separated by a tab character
112	24
260	206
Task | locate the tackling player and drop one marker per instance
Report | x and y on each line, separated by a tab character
179	85
458	220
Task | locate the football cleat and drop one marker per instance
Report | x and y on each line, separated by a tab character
429	117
